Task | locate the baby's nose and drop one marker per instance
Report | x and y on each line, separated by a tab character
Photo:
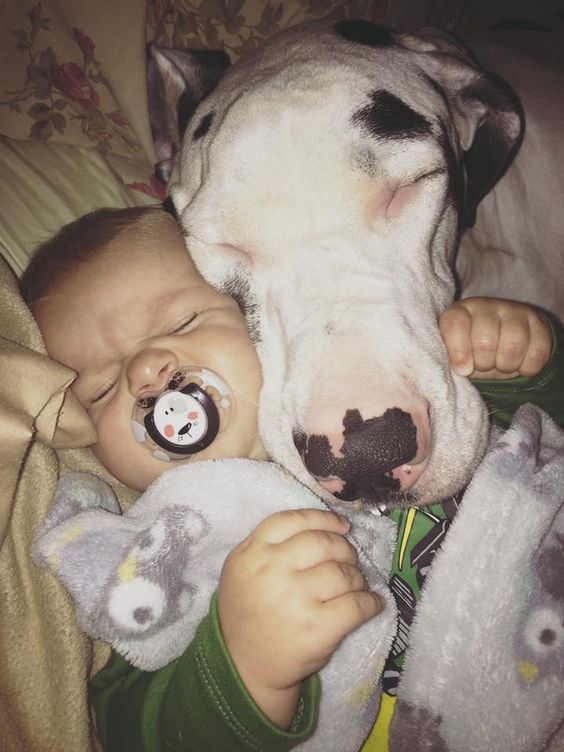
149	371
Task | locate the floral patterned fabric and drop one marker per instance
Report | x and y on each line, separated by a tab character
240	26
54	88
237	26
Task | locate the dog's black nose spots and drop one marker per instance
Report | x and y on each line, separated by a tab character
363	32
203	127
371	450
388	117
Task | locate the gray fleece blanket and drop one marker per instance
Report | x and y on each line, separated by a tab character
484	670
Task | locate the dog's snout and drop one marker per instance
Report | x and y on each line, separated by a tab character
369	457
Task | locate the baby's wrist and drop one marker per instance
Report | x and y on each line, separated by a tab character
279	705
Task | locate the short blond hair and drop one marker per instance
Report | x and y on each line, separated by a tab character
84	239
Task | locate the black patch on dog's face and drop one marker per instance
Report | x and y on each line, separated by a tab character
184	110
208	67
388	117
455	177
371	449
363	32
203	127
239	289
455	170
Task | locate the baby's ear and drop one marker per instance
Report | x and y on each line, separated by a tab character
177	81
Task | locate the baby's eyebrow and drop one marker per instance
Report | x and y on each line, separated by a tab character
168	300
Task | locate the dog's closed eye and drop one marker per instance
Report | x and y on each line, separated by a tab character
392	197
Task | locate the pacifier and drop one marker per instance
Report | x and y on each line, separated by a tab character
195	406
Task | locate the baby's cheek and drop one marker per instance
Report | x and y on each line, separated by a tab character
111	441
119	452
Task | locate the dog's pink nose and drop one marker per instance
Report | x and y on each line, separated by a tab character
369	457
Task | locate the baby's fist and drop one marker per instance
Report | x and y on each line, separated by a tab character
490	338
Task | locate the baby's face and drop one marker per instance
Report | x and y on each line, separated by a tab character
125	322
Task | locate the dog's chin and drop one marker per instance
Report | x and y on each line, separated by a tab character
433	487
380	503
425	493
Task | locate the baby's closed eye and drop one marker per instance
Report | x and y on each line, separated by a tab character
100	394
184	324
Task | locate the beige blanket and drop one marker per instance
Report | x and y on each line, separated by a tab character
44	660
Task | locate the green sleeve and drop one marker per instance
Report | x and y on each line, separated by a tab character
546	389
197	702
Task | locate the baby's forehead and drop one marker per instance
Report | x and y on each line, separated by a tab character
139	246
137	256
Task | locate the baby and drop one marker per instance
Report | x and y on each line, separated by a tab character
119	301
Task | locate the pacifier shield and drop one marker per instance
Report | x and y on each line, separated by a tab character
186	416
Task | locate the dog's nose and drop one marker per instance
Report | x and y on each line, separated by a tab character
369	457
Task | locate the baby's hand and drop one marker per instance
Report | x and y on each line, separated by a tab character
288	594
487	338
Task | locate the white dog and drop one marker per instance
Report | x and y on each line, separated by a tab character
325	181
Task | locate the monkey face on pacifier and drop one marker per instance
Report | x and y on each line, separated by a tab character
185	418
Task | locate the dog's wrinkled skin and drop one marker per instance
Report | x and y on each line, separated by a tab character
325	181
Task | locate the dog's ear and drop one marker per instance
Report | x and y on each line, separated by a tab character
177	80
486	112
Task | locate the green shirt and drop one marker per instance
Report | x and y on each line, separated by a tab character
198	703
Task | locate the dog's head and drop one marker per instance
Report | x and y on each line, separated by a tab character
325	182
